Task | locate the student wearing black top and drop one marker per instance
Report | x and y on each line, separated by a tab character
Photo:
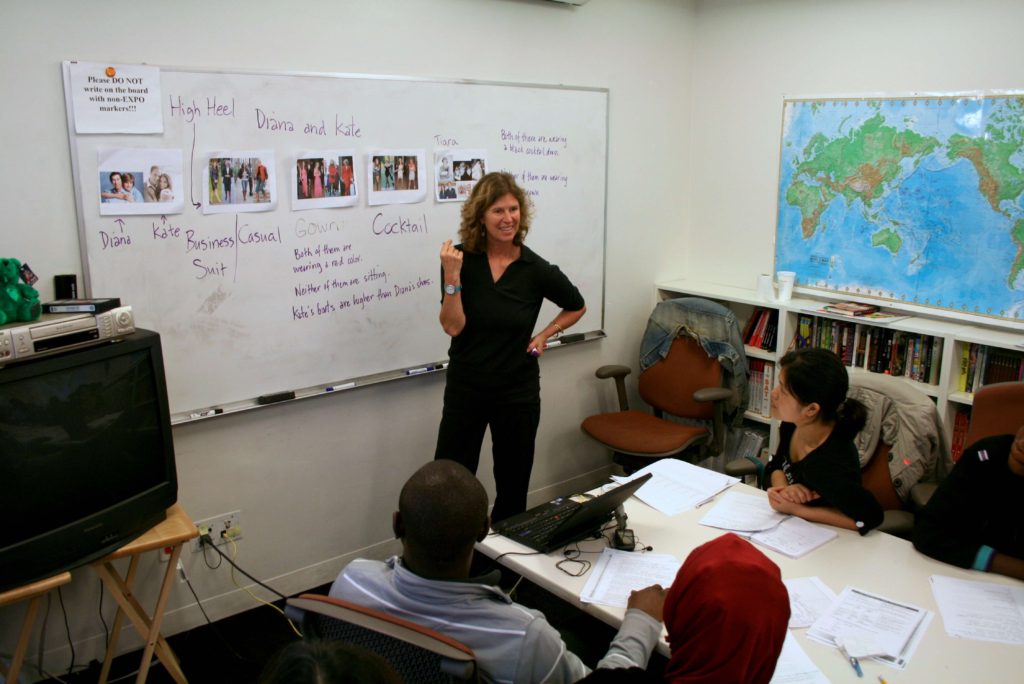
974	519
815	474
493	288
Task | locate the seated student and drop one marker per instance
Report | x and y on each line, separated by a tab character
815	473
974	519
442	511
727	613
327	662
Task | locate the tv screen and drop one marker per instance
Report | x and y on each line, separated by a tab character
86	456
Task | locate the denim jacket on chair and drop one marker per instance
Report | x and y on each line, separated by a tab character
716	330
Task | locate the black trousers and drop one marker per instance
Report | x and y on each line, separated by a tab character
513	423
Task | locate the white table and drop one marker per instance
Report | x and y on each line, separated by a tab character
877	562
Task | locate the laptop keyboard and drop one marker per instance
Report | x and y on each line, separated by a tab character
542	525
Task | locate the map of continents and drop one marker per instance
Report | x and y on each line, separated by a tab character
907	200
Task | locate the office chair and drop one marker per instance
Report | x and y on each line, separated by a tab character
997	409
687	383
418	654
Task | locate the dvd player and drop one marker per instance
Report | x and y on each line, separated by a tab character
54	333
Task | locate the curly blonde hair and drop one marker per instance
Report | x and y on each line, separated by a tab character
486	192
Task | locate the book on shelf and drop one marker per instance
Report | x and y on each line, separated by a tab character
961	421
849	308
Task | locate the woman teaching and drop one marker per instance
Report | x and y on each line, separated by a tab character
815	473
493	288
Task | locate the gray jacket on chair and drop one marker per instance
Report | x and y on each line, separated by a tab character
713	326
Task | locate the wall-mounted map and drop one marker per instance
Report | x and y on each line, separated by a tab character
916	201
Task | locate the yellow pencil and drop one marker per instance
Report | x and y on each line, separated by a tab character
882	679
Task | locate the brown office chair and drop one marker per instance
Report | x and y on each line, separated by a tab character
998	409
687	384
418	654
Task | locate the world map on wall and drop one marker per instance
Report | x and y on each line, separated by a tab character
908	200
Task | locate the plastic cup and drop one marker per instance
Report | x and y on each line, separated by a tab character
786	280
765	287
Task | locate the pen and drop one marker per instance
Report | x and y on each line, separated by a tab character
854	663
335	388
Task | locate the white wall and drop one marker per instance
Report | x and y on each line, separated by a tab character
750	54
317	480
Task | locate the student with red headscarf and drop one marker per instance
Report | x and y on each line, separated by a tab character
726	614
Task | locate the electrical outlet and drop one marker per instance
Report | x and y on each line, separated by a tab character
222	528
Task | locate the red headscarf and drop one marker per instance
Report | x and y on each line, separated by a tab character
726	613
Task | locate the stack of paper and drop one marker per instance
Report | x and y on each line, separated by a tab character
753	517
794	537
617	573
809	598
867	625
742	513
677	486
980	610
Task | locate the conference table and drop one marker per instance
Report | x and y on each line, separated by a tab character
877	562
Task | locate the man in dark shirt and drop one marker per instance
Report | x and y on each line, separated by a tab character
975	519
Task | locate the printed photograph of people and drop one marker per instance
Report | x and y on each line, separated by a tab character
322	179
395	177
139	181
238	181
457	171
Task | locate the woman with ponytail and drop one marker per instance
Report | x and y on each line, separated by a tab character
815	473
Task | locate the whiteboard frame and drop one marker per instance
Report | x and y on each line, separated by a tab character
346	384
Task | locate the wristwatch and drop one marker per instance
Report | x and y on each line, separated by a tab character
452	289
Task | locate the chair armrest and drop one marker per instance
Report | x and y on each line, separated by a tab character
618	373
612	371
897	523
921	492
712	394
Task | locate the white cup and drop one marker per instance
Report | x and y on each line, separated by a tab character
786	280
765	287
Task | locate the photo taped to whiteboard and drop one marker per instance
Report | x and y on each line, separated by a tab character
239	181
394	176
139	181
323	179
457	171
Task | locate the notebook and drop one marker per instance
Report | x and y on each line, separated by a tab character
554	524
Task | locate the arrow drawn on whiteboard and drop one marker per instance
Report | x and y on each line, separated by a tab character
120	223
192	167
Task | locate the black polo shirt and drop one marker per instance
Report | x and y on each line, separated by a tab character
490	352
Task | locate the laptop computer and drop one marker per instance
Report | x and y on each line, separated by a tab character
554	524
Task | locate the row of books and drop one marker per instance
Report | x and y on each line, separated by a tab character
761	329
759	383
984	365
879	350
746	442
961	421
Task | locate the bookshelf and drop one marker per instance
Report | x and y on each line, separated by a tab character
933	355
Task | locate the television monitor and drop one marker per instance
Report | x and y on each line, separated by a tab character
86	455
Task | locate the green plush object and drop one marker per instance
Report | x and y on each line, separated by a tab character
18	301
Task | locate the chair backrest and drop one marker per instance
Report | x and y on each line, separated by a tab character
669	384
998	410
417	653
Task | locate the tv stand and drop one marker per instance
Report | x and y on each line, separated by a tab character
176	529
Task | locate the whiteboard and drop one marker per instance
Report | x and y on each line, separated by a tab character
297	299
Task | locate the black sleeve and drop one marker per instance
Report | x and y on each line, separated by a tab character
948	527
560	290
837	480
